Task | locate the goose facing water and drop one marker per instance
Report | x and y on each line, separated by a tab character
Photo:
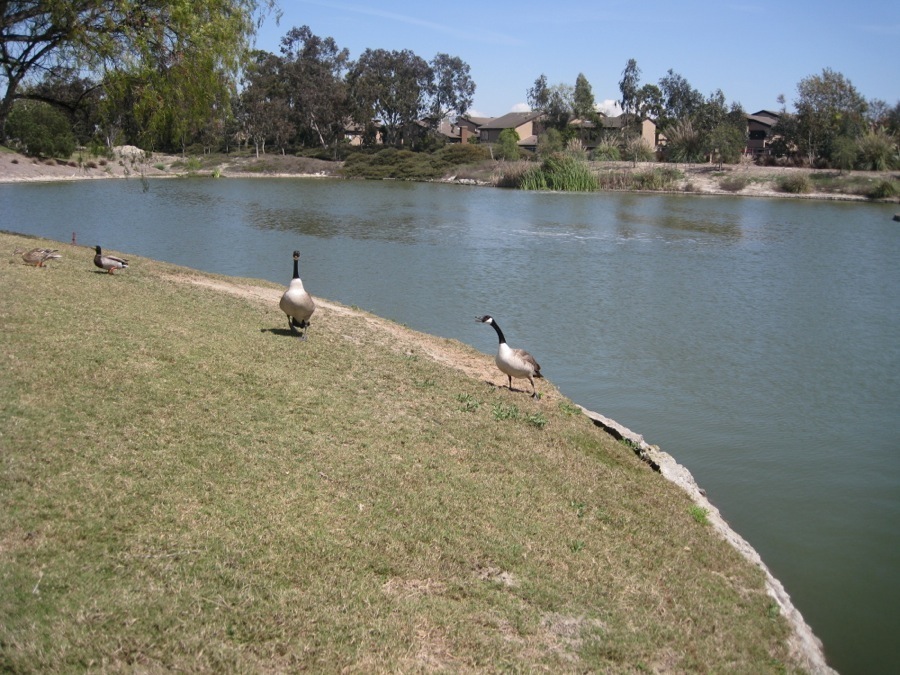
297	303
513	362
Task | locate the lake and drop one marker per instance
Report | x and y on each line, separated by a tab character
755	340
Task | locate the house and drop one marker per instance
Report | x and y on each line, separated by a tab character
470	127
526	124
759	131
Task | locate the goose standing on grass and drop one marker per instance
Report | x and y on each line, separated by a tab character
297	303
513	362
110	263
38	256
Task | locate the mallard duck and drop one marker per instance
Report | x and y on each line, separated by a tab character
38	256
513	362
297	303
110	263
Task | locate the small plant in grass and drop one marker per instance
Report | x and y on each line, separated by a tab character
536	420
579	507
505	412
699	514
469	402
577	546
425	383
569	408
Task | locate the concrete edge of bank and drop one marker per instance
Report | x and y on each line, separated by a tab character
803	642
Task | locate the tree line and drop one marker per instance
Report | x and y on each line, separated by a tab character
177	74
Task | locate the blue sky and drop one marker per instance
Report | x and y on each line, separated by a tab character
753	50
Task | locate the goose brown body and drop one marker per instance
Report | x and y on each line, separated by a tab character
297	303
513	362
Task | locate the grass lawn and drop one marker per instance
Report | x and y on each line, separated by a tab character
185	486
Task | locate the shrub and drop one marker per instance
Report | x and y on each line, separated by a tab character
607	150
560	172
794	184
40	130
734	183
884	189
876	151
463	153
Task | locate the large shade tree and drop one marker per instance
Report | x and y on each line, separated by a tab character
393	87
828	108
154	52
315	69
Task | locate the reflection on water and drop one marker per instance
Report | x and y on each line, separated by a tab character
756	340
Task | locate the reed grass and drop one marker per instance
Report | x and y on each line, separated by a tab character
187	487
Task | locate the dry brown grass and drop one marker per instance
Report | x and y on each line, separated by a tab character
185	486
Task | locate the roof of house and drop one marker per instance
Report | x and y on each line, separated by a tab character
477	121
511	120
764	117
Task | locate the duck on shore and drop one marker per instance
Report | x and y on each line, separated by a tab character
38	256
110	263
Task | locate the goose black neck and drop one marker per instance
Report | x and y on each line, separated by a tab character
296	268
97	249
499	332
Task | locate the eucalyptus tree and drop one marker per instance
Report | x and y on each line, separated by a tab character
452	89
538	96
315	72
263	110
392	86
680	100
629	87
583	99
168	57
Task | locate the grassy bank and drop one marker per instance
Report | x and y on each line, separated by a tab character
186	486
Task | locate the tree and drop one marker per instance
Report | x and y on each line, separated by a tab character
263	109
508	145
453	89
392	87
315	87
649	102
628	86
828	106
680	100
164	46
538	96
560	106
583	100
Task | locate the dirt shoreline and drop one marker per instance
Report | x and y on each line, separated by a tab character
132	163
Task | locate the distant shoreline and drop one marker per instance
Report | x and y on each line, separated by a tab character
698	179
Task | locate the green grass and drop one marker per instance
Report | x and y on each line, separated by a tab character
185	486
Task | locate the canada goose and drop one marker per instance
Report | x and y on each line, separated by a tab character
297	303
110	263
38	256
513	362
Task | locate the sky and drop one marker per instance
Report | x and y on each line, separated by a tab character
753	50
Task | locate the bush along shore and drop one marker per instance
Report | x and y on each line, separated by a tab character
187	486
471	165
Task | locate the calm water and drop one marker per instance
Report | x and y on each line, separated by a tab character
758	341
